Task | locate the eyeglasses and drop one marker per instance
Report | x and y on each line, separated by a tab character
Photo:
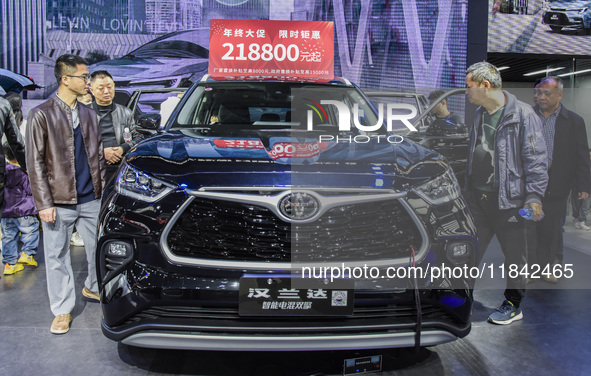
84	77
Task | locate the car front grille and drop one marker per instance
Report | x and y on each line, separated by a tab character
225	230
561	20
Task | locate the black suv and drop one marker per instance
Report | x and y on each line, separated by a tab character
211	231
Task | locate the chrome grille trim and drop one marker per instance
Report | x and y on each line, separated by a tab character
270	202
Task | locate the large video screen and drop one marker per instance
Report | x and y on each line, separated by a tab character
405	45
541	27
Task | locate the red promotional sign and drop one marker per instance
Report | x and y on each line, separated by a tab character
282	50
294	150
238	144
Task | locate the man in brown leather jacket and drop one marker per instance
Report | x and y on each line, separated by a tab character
66	168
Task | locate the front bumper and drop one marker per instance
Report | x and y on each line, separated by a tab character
572	20
195	341
149	301
150	308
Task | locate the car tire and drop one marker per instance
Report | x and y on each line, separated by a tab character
556	29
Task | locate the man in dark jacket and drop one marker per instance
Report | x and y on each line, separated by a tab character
9	128
114	119
506	171
441	111
568	168
67	174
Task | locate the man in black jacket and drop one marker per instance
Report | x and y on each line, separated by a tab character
113	120
568	167
9	128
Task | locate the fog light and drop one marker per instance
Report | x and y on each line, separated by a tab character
459	252
117	249
115	257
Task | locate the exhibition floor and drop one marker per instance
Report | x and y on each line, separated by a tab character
552	339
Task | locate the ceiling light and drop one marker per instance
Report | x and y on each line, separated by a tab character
573	73
503	68
543	71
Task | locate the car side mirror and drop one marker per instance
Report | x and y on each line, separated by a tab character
149	124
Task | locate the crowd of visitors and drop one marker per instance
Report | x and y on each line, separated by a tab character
519	158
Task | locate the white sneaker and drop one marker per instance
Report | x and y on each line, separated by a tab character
577	224
76	240
583	226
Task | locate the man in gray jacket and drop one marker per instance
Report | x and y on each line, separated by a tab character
506	171
113	120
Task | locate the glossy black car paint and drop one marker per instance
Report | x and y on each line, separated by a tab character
151	293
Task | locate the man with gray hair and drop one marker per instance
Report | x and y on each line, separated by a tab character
506	171
568	167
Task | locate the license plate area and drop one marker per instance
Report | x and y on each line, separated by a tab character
274	296
365	364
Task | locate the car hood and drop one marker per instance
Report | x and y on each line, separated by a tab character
194	162
570	4
130	69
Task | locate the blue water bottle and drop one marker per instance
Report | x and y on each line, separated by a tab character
528	213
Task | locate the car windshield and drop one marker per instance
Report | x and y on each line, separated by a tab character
417	101
227	107
150	103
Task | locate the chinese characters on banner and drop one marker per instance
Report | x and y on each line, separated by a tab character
279	50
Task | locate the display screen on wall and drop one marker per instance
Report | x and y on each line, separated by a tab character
146	43
541	27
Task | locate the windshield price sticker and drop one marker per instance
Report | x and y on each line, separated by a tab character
278	150
262	49
276	297
238	144
295	150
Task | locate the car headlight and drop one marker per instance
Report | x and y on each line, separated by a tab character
440	190
134	183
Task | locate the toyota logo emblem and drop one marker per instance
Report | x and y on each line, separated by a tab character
299	206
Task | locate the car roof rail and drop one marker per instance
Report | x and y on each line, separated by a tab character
341	80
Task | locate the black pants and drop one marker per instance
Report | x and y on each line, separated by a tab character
548	246
512	231
521	6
